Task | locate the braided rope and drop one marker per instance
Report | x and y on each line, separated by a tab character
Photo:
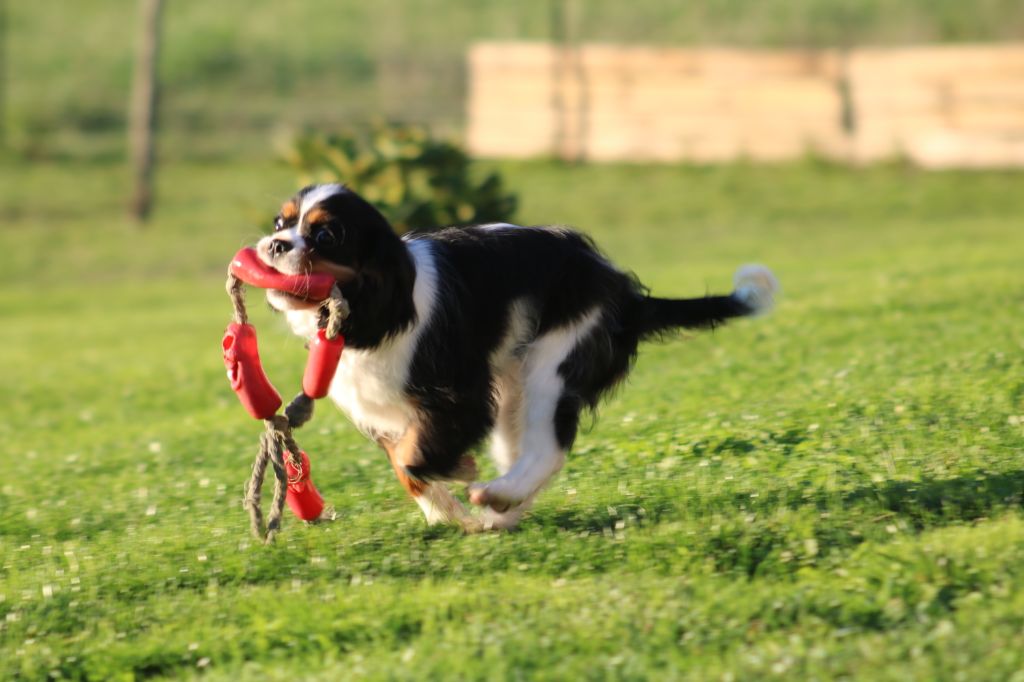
277	440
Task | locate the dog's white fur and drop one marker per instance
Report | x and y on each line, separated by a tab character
368	384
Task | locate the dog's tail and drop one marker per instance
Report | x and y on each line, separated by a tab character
756	288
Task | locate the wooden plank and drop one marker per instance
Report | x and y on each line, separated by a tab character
988	118
696	104
886	100
951	149
936	62
998	91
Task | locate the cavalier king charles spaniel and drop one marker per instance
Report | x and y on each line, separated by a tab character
493	330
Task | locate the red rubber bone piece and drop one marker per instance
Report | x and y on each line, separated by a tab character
302	496
242	359
247	266
322	363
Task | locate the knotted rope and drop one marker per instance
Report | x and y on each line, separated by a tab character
277	440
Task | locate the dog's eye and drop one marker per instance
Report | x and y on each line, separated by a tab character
278	224
324	239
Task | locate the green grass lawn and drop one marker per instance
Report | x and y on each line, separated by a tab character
833	491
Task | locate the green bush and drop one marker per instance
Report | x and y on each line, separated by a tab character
418	182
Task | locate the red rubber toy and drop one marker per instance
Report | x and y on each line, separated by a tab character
302	496
247	266
322	363
250	382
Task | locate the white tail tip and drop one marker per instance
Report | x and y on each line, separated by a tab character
757	287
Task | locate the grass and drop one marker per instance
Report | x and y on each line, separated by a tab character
833	491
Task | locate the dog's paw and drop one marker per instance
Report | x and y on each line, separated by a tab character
485	495
493	520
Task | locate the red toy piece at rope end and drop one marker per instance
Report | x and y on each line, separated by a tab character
242	360
302	496
247	266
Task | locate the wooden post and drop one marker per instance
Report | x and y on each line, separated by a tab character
559	39
568	99
143	108
3	74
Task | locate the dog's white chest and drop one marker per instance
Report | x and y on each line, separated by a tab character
368	387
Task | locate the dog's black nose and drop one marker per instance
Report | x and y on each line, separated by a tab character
279	246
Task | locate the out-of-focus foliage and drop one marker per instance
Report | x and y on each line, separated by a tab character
418	182
234	70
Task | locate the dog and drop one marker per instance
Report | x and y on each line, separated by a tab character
493	330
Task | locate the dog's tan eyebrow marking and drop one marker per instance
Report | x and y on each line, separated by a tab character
317	215
289	211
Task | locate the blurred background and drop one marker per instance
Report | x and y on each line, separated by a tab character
233	74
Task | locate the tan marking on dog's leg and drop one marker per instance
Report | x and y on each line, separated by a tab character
406	451
434	499
395	450
508	425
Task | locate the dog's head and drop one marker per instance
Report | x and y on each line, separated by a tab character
325	228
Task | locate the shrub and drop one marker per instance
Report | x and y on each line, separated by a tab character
418	182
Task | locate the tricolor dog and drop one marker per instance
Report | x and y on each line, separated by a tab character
493	331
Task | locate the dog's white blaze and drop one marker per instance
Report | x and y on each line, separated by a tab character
540	456
368	385
496	226
315	196
292	262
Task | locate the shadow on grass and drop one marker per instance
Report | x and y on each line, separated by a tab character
926	502
754	545
964	498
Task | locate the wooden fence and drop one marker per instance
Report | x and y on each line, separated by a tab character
950	106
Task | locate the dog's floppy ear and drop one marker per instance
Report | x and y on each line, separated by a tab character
368	239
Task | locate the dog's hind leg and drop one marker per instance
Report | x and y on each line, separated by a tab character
550	428
550	418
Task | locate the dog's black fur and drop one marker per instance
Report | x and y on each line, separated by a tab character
555	273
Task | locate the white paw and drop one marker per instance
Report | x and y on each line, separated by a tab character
489	495
492	520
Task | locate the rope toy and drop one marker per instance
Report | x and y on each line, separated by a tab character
262	401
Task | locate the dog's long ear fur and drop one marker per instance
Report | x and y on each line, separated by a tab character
381	295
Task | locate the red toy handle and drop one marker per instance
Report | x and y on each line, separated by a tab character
322	363
242	359
302	496
247	266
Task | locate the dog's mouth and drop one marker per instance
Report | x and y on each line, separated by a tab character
284	300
